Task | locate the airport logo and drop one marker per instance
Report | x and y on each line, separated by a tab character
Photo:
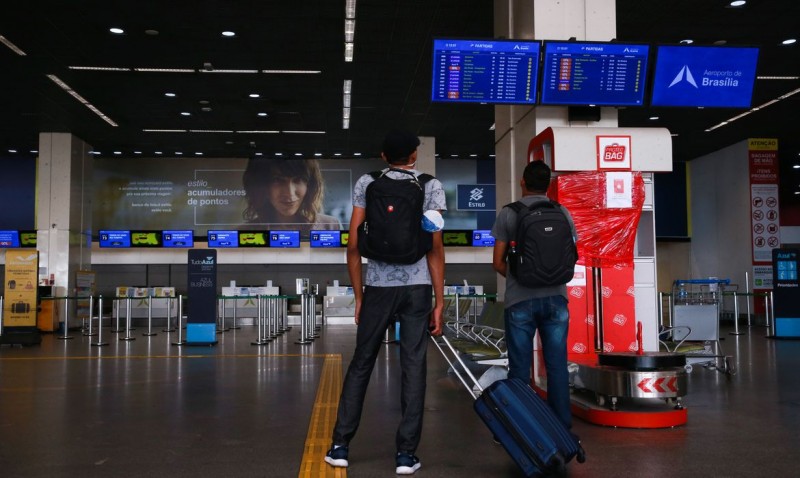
476	194
684	75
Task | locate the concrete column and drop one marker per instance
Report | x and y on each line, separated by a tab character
426	155
516	125
63	210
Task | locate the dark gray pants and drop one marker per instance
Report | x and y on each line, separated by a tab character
412	306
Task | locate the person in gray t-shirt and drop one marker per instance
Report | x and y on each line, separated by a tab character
530	309
392	292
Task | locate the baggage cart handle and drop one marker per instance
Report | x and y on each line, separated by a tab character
455	370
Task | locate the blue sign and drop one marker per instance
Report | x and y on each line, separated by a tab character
223	238
786	292
9	238
178	238
485	71
115	238
326	239
704	76
284	238
482	238
476	197
612	74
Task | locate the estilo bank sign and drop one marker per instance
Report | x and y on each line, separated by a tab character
613	153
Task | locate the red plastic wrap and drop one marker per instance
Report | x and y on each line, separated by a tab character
605	235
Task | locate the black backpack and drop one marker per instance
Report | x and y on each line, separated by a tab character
392	229
542	251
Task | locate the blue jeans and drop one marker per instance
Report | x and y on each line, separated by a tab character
551	317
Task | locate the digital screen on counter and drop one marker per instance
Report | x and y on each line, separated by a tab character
223	238
183	238
608	74
145	238
482	238
115	239
27	238
253	239
695	76
485	71
457	238
284	238
326	239
9	238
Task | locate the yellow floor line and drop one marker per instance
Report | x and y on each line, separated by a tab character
323	417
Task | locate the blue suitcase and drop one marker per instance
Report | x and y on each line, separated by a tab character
522	422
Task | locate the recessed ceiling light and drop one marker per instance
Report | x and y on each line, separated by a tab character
259	154
317	155
228	34
171	95
34	151
178	153
151	32
337	154
158	152
653	118
185	113
298	154
687	41
116	30
137	152
254	95
738	3
356	154
12	150
789	41
206	109
198	153
96	152
278	154
117	152
720	42
262	114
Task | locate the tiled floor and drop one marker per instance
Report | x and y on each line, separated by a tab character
145	408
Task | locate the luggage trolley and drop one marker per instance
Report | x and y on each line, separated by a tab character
696	309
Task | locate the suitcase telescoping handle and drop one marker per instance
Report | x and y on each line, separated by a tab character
449	360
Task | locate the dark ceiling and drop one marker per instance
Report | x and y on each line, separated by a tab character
390	74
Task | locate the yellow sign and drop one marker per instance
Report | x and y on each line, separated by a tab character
19	307
762	144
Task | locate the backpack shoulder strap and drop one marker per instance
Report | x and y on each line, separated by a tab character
424	178
376	174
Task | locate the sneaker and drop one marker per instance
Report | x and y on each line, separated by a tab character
407	464
337	457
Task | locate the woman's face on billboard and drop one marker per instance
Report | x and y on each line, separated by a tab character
286	195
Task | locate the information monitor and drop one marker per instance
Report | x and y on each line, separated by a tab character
603	74
223	238
181	238
116	239
485	71
284	238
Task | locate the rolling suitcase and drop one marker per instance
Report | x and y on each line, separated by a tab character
521	421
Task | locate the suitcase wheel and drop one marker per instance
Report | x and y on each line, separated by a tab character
581	455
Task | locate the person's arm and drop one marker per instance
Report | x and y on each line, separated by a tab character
435	259
354	257
499	263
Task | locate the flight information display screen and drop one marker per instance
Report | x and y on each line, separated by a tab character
485	71
608	74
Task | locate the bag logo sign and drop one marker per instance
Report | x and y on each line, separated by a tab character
614	152
390	208
619	186
548	229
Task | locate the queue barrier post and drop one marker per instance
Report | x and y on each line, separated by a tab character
99	342
180	340
261	335
149	332
66	335
128	320
89	330
736	315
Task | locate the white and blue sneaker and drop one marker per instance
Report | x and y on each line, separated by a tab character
337	456
407	463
